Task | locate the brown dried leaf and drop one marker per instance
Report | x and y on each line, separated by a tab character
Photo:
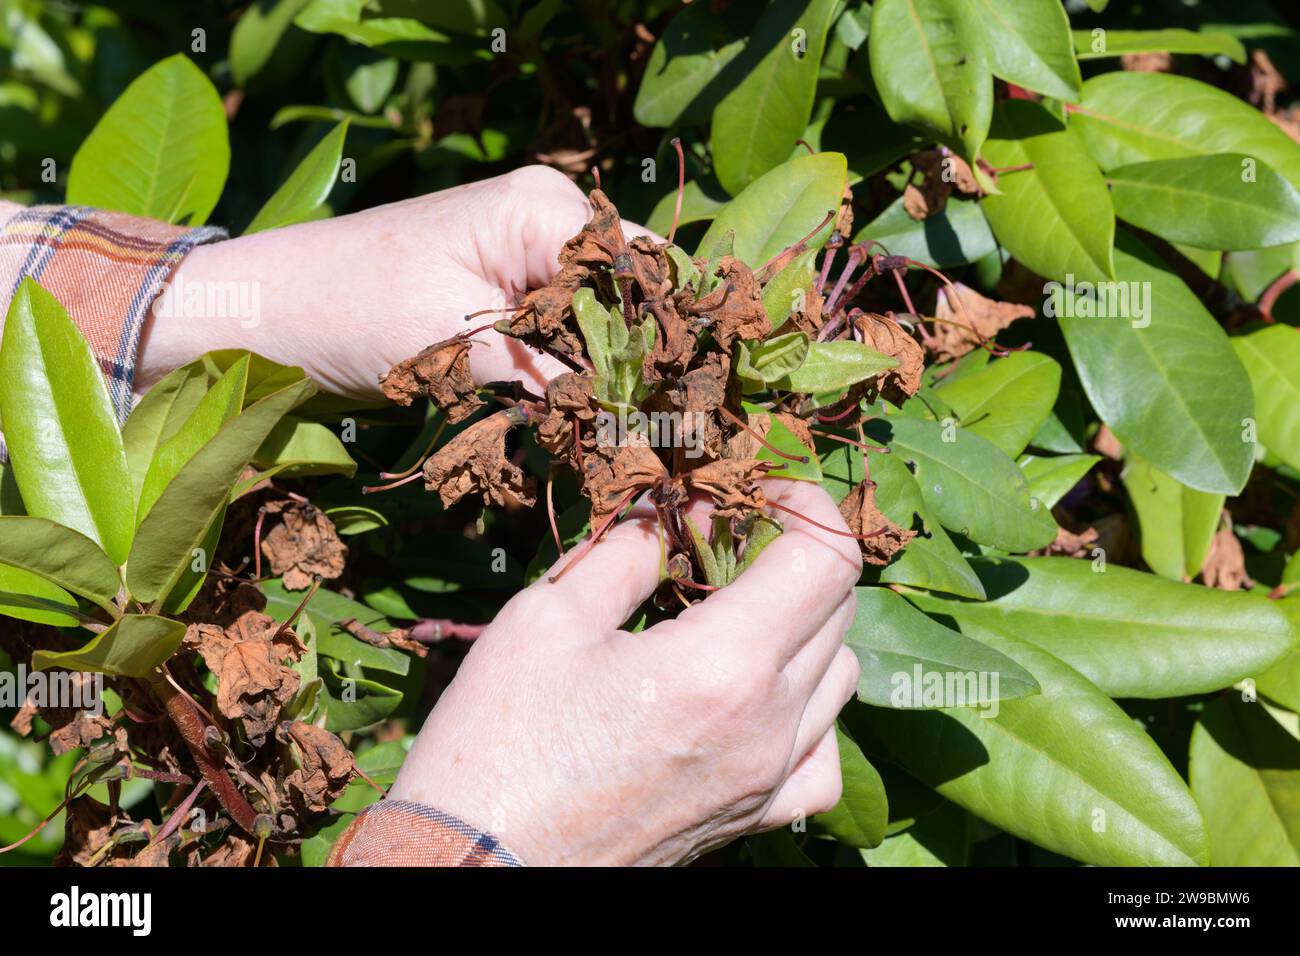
612	472
399	638
1262	82
886	336
863	517
442	373
247	659
325	767
741	315
1071	544
87	828
600	239
1158	61
1225	565
568	396
304	545
981	318
475	461
732	484
543	317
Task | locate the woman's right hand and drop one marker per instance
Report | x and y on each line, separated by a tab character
574	742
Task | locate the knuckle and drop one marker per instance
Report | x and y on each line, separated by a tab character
826	791
541	182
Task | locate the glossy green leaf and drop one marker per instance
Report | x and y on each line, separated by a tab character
60	555
158	416
862	815
780	208
1038	771
219	404
161	150
132	647
1175	523
1094	44
1055	217
701	200
968	484
1130	633
179	521
1028	42
911	662
1007	401
1225	201
956	236
297	448
307	186
63	439
832	366
930	560
255	37
928	72
30	597
1163	376
361	703
1126	117
1272	360
756	124
682	81
326	610
1245	773
1052	476
354	519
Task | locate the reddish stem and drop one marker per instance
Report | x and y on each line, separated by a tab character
1274	292
681	186
802	459
849	441
817	524
431	630
374	489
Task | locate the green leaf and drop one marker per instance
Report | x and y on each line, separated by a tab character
1162	376
912	662
1131	634
1037	771
65	448
701	200
956	236
1126	118
1175	523
297	448
780	208
30	597
1225	201
862	815
1272	360
158	416
1007	401
218	405
132	647
927	71
307	187
1052	476
788	289
180	520
756	124
1028	42
1095	44
326	609
968	484
760	363
1055	217
161	150
366	702
1245	773
681	83
60	555
255	37
354	519
833	366
930	560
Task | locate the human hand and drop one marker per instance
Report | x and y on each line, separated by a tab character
574	742
348	298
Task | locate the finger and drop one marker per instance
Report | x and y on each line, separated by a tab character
791	589
808	667
814	786
837	687
600	587
633	230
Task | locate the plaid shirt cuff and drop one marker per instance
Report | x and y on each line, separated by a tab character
106	268
402	833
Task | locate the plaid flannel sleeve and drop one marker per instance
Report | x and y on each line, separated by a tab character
401	833
106	268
